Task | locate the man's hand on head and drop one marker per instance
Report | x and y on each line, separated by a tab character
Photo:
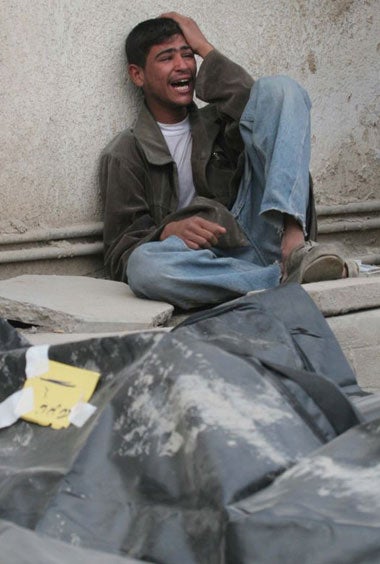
192	33
196	232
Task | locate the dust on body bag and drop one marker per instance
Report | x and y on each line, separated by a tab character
188	423
323	510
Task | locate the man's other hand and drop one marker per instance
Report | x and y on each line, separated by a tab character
196	232
192	33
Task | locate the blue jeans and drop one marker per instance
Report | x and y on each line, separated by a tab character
275	127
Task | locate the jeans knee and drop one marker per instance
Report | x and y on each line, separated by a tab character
279	87
142	271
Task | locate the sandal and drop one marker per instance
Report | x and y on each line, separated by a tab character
311	262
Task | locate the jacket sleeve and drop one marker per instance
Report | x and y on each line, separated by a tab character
224	83
127	220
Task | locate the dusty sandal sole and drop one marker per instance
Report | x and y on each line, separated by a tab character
328	267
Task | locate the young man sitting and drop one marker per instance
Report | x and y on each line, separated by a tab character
205	205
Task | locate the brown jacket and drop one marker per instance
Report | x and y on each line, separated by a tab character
138	177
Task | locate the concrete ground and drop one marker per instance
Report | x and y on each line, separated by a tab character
57	309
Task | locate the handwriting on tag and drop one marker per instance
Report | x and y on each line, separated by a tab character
57	391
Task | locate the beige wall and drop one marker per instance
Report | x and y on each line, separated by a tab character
64	92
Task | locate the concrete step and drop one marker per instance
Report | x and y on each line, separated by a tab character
71	308
76	304
359	336
337	297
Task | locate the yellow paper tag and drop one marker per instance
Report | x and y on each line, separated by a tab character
57	391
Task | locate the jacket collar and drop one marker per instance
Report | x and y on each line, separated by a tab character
150	137
153	143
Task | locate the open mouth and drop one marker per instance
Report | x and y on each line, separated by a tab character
183	85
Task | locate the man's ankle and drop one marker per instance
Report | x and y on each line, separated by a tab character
292	238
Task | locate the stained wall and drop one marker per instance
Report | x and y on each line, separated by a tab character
64	92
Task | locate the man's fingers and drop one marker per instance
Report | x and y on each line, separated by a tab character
192	245
203	236
183	21
173	15
195	231
215	228
204	240
191	32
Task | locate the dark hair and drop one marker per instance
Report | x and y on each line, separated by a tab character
145	35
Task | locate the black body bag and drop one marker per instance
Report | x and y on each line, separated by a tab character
192	427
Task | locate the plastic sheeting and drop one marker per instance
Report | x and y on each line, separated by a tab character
212	443
325	509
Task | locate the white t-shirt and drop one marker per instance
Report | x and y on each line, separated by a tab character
179	140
